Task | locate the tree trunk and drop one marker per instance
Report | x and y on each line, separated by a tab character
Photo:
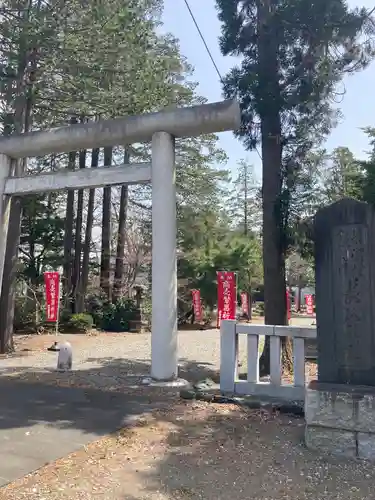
78	240
27	62
299	296
245	202
68	235
33	271
249	303
87	245
121	239
273	248
105	267
8	290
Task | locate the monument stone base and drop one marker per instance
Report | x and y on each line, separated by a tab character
340	419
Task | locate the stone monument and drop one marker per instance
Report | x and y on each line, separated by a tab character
340	405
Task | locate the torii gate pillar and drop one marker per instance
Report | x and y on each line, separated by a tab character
161	128
164	259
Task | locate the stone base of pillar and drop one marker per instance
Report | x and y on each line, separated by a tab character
340	420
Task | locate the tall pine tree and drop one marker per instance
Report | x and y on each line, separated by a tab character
294	52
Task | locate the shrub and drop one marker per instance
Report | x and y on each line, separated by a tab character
147	311
94	305
64	316
24	314
80	322
259	308
117	317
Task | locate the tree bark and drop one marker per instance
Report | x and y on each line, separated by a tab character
8	290
299	295
105	267
78	240
121	239
68	235
273	248
88	235
245	201
27	62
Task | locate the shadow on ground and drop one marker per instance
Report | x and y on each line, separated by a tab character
198	450
46	414
234	453
96	400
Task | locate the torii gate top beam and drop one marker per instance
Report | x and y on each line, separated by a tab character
180	122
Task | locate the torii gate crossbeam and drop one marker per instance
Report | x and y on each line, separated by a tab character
161	128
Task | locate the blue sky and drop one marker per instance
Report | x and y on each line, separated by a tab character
356	106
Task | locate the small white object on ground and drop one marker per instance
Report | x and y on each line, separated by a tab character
146	381
65	357
178	382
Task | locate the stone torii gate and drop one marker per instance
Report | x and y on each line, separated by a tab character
161	128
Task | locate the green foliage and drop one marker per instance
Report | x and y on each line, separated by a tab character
328	178
107	60
244	201
300	271
64	317
41	236
366	177
293	54
198	183
212	246
259	308
147	310
343	176
81	323
24	314
117	317
313	43
90	61
201	228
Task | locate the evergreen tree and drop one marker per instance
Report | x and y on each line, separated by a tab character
245	204
211	245
85	61
341	176
293	55
364	180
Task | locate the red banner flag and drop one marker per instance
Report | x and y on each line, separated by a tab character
309	303
226	296
245	303
197	305
52	283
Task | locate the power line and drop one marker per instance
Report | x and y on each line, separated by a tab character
203	40
210	53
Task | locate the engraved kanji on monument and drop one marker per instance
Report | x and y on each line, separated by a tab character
344	234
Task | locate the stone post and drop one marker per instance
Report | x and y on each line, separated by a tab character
340	406
345	292
164	260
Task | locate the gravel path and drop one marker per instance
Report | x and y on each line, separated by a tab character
114	360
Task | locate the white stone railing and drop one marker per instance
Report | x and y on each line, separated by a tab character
229	382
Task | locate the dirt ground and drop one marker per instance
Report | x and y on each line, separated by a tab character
200	451
192	450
